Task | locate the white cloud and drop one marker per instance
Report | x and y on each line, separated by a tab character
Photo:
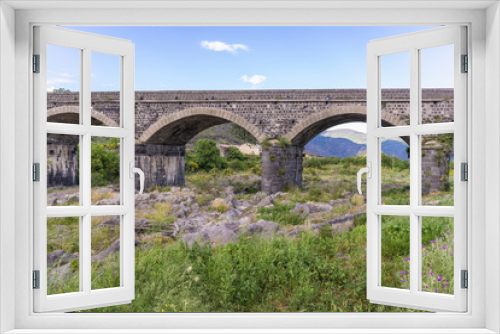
255	79
221	46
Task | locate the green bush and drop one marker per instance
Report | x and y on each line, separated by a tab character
105	162
233	153
207	155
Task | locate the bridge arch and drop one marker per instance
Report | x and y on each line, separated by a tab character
307	129
180	127
71	114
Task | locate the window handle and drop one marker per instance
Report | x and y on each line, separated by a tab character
139	171
368	171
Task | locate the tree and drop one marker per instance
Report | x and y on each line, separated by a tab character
207	155
233	153
61	90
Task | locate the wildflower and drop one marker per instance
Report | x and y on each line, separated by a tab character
431	267
448	232
451	254
445	246
197	279
406	259
432	241
432	274
395	273
403	272
435	290
427	287
403	280
440	278
189	269
423	246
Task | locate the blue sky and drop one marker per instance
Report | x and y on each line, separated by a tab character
192	58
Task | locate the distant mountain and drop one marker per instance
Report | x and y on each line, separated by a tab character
330	143
354	136
338	147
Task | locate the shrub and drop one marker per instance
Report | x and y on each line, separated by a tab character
233	153
207	155
105	162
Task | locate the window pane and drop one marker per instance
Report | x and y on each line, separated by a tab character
106	86
395	171
437	254
63	84
437	169
63	247
105	252
63	168
395	85
437	83
105	166
395	233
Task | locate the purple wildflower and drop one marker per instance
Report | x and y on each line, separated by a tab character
432	274
403	272
427	287
440	278
431	267
448	232
445	246
406	259
435	290
403	280
432	241
423	246
451	254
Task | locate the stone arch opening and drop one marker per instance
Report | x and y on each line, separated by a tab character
288	169
307	129
180	127
62	150
161	149
71	115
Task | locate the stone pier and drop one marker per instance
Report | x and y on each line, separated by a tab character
163	165
434	168
281	167
62	160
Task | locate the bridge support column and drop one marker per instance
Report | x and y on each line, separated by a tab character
434	168
62	160
281	167
163	165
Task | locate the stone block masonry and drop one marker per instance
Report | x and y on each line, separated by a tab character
167	120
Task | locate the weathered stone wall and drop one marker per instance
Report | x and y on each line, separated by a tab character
163	165
274	112
434	168
281	166
62	161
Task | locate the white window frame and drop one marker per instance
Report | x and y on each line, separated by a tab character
484	102
413	44
123	50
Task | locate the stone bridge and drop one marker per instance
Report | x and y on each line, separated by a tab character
167	120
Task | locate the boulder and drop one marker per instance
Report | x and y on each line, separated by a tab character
59	256
301	209
230	215
319	207
266	201
115	221
263	227
212	234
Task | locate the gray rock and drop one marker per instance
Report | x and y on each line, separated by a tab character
319	207
212	234
230	215
245	220
60	274
266	201
142	225
262	227
59	256
301	209
115	221
142	197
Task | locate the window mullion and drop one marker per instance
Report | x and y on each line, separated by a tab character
414	170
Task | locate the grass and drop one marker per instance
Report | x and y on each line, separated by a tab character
310	273
254	275
280	213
